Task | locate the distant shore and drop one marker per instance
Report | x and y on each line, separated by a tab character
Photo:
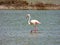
30	7
24	5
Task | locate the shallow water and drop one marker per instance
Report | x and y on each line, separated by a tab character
14	29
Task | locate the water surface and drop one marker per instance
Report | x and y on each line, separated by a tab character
14	29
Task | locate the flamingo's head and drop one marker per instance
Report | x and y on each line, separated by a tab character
28	15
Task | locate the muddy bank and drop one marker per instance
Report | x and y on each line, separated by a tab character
24	5
28	7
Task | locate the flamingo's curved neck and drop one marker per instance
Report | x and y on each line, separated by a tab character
29	19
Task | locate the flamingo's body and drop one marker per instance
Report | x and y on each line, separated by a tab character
33	22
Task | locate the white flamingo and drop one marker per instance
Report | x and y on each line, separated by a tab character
33	22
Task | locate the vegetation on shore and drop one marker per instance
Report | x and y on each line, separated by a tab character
21	4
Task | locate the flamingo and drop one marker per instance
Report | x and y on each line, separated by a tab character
33	22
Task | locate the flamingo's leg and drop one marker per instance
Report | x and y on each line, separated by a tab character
35	28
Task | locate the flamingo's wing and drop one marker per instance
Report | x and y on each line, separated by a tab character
35	22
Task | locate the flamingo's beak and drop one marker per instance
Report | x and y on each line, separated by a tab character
26	16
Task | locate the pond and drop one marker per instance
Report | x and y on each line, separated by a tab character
15	30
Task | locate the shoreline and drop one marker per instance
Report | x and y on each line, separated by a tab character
25	5
29	7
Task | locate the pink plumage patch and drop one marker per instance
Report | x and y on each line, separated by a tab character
36	22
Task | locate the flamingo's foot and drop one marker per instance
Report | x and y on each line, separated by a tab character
33	31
